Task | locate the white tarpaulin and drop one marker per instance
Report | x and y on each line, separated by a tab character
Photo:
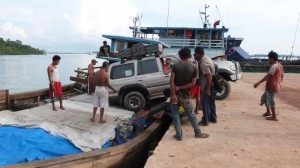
73	123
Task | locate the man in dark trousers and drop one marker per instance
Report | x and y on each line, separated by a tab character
208	93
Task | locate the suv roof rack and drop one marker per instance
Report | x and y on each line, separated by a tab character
140	50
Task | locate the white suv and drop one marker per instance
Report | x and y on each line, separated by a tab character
139	80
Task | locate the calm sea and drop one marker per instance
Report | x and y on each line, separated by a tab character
29	72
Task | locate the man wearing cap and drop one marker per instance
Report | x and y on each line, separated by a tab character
91	73
105	49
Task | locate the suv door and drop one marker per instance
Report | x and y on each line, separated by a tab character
121	75
150	75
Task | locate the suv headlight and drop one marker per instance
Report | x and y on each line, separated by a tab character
232	67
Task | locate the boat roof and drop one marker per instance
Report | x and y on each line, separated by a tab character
149	30
233	38
133	39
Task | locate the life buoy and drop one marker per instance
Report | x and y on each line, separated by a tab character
231	50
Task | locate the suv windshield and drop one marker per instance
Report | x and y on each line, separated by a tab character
122	71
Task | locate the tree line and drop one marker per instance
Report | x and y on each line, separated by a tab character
8	47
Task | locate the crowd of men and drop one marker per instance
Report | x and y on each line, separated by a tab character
186	79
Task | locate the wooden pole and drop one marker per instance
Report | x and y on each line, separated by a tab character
4	99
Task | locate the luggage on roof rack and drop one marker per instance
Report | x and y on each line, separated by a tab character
141	50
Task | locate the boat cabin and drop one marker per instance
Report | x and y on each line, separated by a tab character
211	39
184	36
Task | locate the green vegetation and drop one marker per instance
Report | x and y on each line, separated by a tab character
17	48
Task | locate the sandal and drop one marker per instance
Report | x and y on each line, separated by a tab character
271	118
266	114
202	135
177	138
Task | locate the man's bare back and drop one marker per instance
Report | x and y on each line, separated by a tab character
101	78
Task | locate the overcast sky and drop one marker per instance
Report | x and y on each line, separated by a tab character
78	25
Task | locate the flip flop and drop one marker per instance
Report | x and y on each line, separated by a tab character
102	122
266	114
271	119
177	138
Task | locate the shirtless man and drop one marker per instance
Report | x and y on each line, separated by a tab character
55	88
100	98
91	73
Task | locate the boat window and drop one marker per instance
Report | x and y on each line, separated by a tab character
147	66
121	45
122	71
179	33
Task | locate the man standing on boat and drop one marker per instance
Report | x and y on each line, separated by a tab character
104	50
91	80
183	77
55	88
208	92
273	80
100	98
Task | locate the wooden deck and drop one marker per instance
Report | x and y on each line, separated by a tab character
8	100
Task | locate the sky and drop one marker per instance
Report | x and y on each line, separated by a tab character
78	25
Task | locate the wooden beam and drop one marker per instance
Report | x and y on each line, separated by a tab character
35	93
78	80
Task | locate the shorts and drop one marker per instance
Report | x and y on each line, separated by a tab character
263	98
195	91
270	99
100	98
58	90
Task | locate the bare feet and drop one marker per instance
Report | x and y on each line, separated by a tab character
62	107
54	109
92	119
102	121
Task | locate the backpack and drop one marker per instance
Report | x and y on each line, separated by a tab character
218	82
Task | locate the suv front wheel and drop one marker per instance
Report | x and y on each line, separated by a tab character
134	101
225	92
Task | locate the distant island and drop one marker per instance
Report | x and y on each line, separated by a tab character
8	47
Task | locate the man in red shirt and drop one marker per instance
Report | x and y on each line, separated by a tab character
273	80
167	67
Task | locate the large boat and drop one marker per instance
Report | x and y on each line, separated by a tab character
212	39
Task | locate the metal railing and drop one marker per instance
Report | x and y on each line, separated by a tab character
194	42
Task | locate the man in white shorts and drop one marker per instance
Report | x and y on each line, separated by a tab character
100	98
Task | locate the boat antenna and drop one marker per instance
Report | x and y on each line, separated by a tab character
135	20
220	15
206	21
168	18
139	27
295	37
201	17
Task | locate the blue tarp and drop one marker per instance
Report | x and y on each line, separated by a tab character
18	145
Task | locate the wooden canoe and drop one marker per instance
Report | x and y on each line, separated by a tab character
131	154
